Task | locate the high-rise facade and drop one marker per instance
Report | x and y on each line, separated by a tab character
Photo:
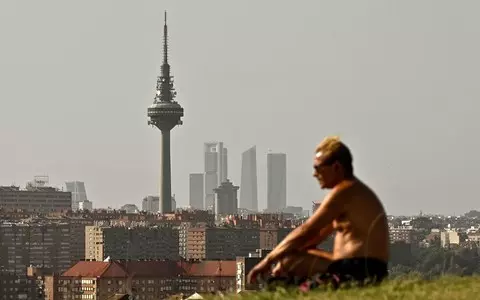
79	194
216	170
248	184
196	191
276	181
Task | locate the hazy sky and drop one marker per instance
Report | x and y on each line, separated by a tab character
398	81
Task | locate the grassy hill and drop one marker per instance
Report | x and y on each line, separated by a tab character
448	287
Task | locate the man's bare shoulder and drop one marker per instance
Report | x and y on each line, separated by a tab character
340	194
347	191
343	189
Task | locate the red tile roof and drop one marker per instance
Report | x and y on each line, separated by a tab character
210	268
87	269
153	268
115	270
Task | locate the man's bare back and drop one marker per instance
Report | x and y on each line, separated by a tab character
351	210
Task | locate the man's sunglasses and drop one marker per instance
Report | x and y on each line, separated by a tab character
326	163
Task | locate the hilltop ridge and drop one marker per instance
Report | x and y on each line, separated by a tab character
447	287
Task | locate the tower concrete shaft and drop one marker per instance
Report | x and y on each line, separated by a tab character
165	113
166	171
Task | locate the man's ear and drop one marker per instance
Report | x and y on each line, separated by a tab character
337	166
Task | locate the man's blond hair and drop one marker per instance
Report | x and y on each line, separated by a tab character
329	144
333	149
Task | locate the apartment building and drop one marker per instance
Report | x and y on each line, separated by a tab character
449	238
404	233
221	242
183	238
244	265
77	237
270	237
45	245
122	242
17	286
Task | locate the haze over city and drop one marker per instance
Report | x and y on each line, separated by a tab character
396	81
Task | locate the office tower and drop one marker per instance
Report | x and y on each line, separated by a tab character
196	191
227	201
248	184
276	181
165	113
151	204
79	194
216	160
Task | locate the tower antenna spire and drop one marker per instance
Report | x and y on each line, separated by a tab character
165	40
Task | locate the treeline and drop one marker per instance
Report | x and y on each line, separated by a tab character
433	261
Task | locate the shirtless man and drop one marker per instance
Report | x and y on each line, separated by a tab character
352	210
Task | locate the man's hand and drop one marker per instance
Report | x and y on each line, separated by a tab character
262	268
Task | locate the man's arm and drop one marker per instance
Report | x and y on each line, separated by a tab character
303	235
320	237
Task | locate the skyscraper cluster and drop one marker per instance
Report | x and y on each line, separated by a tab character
212	190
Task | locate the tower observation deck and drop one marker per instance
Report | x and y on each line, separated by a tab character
165	113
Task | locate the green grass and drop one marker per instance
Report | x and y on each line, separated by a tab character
449	287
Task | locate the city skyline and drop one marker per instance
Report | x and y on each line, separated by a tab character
398	93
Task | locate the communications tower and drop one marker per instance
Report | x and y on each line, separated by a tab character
165	113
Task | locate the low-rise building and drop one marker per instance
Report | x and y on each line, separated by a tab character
144	279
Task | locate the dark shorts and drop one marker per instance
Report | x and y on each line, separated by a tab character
358	271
